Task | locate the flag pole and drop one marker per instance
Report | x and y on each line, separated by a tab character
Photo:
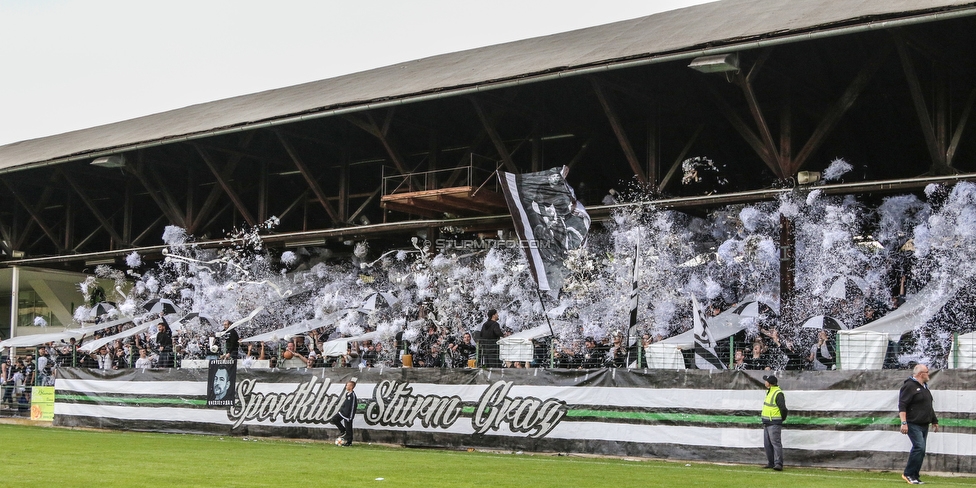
552	334
545	312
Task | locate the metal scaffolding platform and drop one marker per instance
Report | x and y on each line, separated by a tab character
445	192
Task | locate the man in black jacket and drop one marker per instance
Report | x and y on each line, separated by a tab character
490	333
232	342
916	412
343	419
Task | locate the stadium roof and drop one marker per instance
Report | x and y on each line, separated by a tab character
684	33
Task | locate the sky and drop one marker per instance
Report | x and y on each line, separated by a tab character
71	64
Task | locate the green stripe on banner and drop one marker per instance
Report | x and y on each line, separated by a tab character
665	417
957	423
741	419
156	401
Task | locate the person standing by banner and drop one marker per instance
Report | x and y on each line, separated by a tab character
231	342
774	413
164	341
916	412
343	419
490	333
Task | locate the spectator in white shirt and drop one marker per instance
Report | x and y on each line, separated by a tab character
143	362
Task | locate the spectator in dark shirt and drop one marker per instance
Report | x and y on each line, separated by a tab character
917	414
490	333
232	342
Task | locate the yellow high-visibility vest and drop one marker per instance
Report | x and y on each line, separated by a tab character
770	411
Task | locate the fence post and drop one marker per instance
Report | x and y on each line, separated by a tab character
837	352
955	350
732	351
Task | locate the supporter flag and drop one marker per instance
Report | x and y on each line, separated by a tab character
632	331
705	356
548	219
221	382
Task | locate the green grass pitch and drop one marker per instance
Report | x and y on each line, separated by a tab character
69	457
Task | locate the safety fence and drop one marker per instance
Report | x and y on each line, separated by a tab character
15	401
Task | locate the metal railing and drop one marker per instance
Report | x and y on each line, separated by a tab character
15	401
440	178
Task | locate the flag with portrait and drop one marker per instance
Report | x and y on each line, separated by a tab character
221	382
548	219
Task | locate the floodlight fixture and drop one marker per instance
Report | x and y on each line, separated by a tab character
716	63
114	161
807	177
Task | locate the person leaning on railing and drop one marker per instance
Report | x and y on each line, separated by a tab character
43	368
143	362
6	382
30	370
16	376
461	351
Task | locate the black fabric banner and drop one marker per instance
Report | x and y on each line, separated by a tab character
548	220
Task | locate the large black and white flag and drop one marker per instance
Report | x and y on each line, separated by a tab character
548	219
705	356
632	330
632	349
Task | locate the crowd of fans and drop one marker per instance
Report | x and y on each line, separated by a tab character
434	347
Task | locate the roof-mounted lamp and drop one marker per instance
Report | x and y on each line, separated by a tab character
807	177
113	161
716	63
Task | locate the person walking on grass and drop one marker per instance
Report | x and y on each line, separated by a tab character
917	413
343	419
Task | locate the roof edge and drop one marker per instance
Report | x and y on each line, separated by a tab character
833	29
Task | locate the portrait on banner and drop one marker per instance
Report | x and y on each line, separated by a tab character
221	382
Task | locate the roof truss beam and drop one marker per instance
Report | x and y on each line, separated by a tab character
34	212
212	198
293	205
224	184
309	178
6	240
362	207
681	157
745	131
488	124
618	130
837	111
932	143
766	136
105	223
957	134
368	124
145	233
158	193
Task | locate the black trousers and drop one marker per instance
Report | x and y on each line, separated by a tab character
344	426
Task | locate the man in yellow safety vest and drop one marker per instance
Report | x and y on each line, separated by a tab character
774	412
